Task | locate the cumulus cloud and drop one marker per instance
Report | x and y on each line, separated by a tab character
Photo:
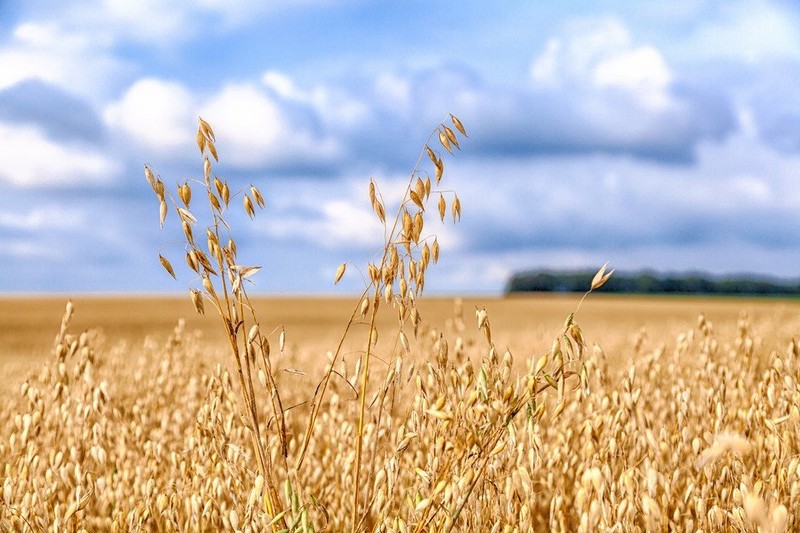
595	90
156	115
30	159
47	51
605	206
256	129
608	141
259	131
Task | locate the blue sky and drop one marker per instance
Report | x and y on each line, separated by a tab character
651	134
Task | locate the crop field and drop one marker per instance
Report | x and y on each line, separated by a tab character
132	422
390	411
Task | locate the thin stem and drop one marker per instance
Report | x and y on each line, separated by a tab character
317	404
362	409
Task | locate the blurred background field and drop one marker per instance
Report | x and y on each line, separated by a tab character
525	324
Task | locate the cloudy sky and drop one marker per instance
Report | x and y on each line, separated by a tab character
650	134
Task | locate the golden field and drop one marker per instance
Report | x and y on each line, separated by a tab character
669	423
391	412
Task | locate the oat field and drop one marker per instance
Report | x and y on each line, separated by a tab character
681	424
387	411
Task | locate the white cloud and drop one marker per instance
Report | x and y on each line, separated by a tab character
282	85
748	30
68	59
42	217
258	130
248	122
156	114
600	54
572	55
641	71
330	224
31	160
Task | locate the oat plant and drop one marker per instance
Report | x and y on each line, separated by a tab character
397	278
221	281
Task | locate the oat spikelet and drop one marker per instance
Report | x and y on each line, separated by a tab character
459	126
167	265
339	273
601	277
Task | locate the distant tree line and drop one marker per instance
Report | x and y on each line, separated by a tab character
651	283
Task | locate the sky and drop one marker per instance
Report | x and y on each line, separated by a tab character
654	135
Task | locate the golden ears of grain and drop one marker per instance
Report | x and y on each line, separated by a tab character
258	197
205	138
601	277
197	301
377	206
438	164
158	187
339	273
248	206
185	194
447	137
167	265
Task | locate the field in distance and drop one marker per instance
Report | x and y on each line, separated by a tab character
525	324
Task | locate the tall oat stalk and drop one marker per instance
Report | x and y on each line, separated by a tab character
397	278
221	280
